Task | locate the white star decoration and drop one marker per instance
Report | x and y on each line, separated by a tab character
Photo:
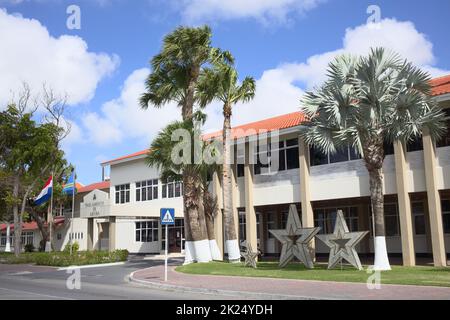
295	240
342	243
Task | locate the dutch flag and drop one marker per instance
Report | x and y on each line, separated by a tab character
45	194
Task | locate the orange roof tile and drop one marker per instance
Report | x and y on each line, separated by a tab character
285	121
277	123
136	154
95	186
440	85
29	226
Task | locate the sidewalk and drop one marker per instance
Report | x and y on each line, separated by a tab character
264	288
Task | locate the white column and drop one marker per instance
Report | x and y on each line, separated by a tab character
8	243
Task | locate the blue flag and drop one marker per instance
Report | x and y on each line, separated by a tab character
69	188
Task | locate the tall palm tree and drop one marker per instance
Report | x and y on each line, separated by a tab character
160	157
366	102
174	78
221	83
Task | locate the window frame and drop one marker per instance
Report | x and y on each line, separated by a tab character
122	193
147	227
145	188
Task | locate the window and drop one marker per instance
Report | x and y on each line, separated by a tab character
415	145
271	224
445	141
172	189
391	220
446	215
27	237
240	161
326	219
284	219
287	157
123	193
242	231
147	231
388	148
318	158
351	218
320	220
341	155
418	213
147	190
59	236
3	240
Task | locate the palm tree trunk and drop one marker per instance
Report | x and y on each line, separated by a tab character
197	243
210	207
231	242
17	218
377	201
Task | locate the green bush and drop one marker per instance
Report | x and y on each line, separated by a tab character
62	259
75	247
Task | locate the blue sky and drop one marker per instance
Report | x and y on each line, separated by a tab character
284	44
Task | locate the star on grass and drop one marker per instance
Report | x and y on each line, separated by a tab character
249	256
342	243
295	240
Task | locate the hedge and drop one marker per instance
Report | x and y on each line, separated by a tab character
64	259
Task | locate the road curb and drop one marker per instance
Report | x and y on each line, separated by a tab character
237	294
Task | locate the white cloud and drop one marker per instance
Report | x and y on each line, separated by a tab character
122	118
28	53
262	10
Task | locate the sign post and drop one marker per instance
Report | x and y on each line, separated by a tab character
167	219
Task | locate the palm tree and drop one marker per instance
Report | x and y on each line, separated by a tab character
221	83
366	102
174	77
160	156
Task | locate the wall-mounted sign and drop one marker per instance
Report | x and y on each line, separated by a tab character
95	205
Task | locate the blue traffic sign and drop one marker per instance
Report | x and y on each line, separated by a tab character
167	216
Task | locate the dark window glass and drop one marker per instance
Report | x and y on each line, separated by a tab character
419	217
155	192
317	158
388	149
178	189
445	140
292	143
292	158
391	220
354	154
240	170
281	160
340	156
171	190
164	191
415	145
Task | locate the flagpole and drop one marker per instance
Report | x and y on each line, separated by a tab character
50	220
73	209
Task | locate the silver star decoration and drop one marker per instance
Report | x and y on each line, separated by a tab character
249	256
295	240
342	243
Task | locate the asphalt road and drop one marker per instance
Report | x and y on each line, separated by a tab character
100	283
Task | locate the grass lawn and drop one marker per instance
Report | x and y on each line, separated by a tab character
424	276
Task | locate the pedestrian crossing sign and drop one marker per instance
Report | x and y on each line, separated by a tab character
167	216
